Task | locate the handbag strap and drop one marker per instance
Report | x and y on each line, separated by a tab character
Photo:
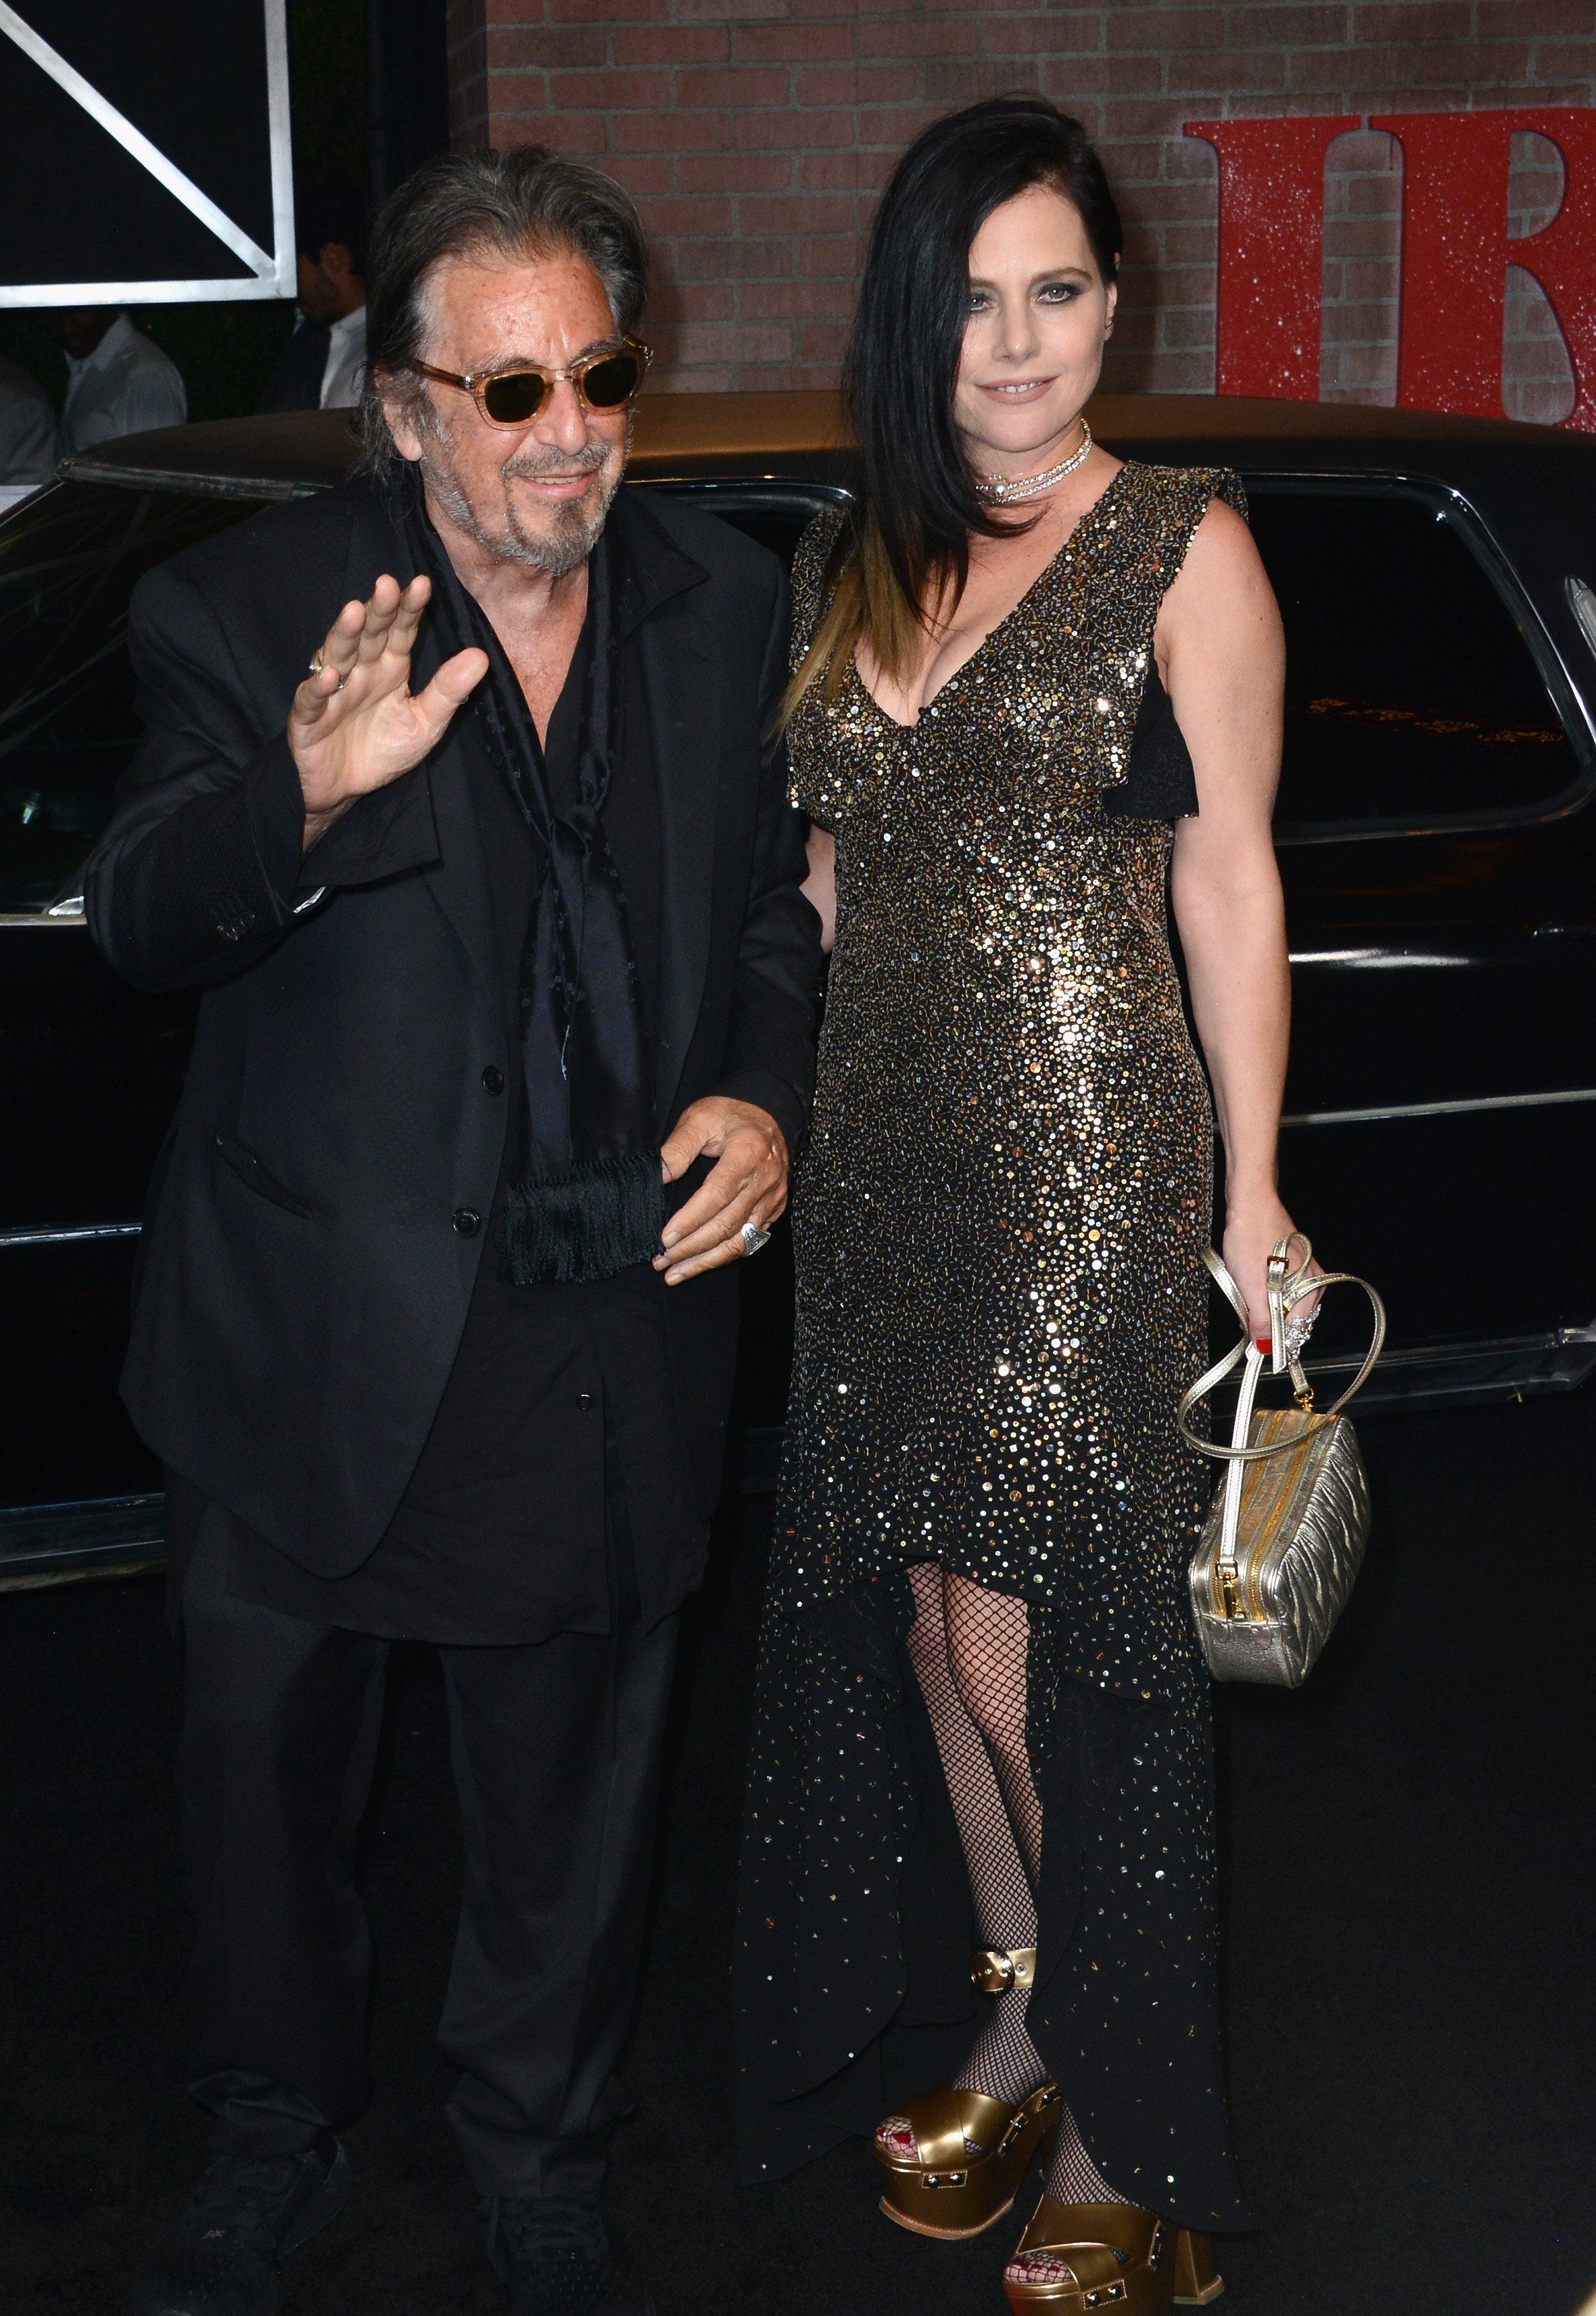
1285	1288
1230	1521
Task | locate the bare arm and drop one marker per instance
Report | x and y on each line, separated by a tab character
819	886
1221	653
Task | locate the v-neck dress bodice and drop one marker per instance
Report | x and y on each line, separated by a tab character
1006	1186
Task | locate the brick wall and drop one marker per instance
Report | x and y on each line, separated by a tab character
465	32
756	134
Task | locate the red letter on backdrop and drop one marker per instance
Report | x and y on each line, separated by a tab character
1454	258
1271	242
1455	253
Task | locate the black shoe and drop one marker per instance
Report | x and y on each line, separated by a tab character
245	2216
552	2256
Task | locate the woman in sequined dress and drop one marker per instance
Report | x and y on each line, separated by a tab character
1033	688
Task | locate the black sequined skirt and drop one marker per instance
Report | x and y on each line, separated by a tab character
855	1923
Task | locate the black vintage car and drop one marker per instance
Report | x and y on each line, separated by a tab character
1436	827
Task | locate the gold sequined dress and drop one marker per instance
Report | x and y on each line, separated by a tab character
998	1220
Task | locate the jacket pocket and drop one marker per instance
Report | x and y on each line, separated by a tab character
259	1178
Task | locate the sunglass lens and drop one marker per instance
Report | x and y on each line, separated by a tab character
516	398
612	381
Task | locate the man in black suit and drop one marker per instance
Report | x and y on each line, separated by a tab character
323	365
505	1034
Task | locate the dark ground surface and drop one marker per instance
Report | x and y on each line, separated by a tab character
1409	1915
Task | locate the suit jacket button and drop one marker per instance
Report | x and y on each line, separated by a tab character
467	1221
492	1080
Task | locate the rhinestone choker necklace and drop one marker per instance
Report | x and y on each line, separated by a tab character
998	489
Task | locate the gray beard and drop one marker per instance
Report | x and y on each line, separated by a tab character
570	539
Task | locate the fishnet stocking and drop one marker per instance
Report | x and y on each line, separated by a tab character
968	1645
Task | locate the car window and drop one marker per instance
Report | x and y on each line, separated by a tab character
1411	693
777	514
68	562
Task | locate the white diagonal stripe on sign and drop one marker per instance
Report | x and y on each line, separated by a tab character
149	157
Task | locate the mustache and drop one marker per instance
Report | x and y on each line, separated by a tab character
534	463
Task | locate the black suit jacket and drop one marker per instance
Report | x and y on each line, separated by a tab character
304	1286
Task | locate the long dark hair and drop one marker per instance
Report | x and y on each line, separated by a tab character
909	534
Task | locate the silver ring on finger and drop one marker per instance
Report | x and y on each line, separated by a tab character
318	666
753	1238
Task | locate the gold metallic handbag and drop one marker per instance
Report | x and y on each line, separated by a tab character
1284	1539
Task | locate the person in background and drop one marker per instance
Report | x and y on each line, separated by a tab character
119	380
29	446
322	367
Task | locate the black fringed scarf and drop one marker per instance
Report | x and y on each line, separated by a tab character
585	1195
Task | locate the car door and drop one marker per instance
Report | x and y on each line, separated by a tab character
1438	845
90	1069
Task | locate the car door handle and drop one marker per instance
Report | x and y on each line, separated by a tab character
1554	930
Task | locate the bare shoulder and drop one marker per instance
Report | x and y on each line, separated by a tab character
1222	546
1221	581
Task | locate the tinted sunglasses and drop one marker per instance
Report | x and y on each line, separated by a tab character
517	394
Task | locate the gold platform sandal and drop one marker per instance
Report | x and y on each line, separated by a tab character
1197	2280
1075	2258
954	2160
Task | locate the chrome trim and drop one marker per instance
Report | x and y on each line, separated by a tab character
69	1233
258	489
1470	1373
100	1536
273	275
757	494
45	918
1379	960
1440	1109
1582	603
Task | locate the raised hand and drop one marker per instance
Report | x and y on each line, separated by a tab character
356	725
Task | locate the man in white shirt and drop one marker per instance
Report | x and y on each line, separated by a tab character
345	373
119	382
322	367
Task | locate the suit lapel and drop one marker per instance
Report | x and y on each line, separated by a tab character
459	882
684	711
684	718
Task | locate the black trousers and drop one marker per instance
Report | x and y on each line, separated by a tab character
556	1749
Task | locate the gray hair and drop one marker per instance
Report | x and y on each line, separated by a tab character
528	202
